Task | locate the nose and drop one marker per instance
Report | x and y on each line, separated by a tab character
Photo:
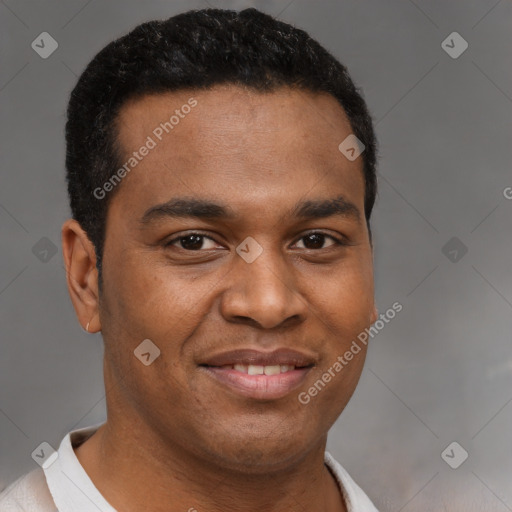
263	292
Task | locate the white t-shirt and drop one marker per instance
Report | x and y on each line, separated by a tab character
64	486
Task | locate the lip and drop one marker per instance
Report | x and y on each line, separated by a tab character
279	356
258	387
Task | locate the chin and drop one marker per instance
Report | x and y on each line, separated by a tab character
257	454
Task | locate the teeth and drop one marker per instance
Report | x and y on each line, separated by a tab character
272	370
253	369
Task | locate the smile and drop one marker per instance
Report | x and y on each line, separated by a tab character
258	382
253	369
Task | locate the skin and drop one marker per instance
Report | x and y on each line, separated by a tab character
175	438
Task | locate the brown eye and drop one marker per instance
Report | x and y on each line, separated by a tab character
317	240
192	242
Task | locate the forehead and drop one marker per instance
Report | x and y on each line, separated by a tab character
234	117
236	141
229	104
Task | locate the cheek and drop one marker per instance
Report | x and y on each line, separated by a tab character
330	389
166	309
146	306
146	301
345	299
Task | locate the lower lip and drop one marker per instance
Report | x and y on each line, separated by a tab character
259	387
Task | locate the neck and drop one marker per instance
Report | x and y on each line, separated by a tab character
156	476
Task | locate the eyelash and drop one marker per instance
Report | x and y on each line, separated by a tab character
337	241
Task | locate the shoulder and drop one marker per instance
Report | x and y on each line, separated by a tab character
355	498
29	492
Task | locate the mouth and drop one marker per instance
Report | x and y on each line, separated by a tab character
254	369
259	375
258	382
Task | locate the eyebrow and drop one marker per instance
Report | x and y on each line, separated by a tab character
203	209
320	209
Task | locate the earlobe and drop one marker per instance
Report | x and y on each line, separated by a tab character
92	327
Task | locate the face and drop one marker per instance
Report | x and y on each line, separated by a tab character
241	229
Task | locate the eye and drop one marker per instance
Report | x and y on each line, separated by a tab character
192	242
199	241
316	240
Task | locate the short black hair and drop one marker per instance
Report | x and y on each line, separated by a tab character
197	49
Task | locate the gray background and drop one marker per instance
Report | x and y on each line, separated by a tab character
441	371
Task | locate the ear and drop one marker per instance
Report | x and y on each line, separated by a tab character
81	274
374	314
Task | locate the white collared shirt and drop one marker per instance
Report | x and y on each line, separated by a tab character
64	486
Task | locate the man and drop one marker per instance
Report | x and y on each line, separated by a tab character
221	173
